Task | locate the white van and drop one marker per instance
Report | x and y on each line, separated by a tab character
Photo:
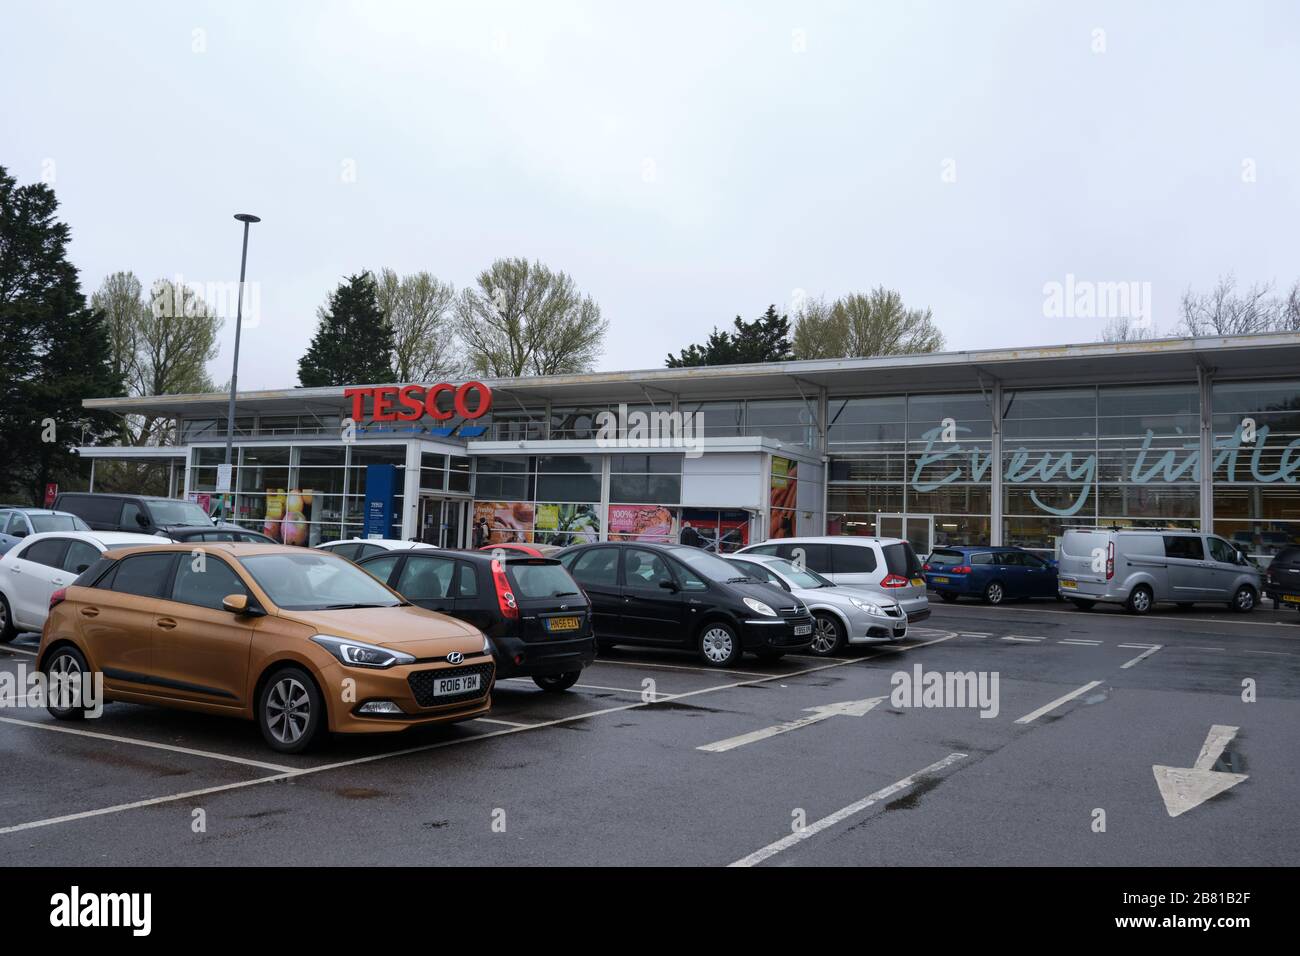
1138	568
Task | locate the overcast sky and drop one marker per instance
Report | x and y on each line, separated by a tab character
684	162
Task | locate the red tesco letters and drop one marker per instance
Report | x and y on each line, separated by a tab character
409	403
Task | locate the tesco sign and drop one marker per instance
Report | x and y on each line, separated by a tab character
410	403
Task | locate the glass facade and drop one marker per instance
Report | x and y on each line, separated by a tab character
299	494
1257	464
911	455
997	464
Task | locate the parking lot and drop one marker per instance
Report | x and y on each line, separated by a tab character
654	759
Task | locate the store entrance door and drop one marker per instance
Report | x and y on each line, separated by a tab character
442	522
917	530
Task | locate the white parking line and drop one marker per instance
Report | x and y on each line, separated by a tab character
421	748
1139	647
18	650
503	723
1158	619
679	667
812	829
1080	643
1147	653
616	690
1030	717
1023	640
143	743
974	634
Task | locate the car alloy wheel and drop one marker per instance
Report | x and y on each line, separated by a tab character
1139	602
1244	599
718	645
994	593
65	671
826	636
288	710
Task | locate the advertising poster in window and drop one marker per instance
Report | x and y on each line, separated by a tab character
642	523
566	524
502	522
288	516
784	494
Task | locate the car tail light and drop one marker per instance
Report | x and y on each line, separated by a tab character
58	597
894	581
961	569
926	566
1110	560
505	596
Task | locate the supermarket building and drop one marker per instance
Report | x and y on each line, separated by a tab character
1001	446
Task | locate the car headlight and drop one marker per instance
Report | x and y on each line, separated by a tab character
361	654
870	608
487	645
759	607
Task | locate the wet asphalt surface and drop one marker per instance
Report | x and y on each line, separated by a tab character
600	776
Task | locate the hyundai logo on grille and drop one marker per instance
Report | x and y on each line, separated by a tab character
455	657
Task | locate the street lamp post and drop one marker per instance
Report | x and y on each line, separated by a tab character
247	219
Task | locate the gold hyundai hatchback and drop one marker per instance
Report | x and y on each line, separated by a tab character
296	639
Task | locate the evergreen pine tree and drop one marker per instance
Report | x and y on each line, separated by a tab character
353	344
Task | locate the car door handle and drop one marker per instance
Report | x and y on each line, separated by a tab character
166	623
89	612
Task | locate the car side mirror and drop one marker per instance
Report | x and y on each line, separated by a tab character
20	532
669	586
235	603
142	521
81	569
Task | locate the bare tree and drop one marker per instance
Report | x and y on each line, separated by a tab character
523	319
419	307
875	323
1127	329
176	339
1225	311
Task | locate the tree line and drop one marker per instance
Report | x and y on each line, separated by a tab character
517	318
1224	310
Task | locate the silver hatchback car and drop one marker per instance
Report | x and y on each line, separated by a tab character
1138	568
885	566
842	615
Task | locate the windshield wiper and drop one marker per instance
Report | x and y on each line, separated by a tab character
347	607
563	593
739	580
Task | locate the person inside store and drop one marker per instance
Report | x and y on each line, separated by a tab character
690	536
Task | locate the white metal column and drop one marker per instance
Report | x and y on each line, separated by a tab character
1205	390
995	468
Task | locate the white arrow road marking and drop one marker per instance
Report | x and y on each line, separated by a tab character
1183	788
812	829
848	708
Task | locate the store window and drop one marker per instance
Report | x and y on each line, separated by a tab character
1257	465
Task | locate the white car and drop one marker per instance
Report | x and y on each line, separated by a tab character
32	570
842	615
354	549
886	566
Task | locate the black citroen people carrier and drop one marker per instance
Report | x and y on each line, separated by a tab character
670	595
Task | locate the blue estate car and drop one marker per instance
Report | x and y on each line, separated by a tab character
991	574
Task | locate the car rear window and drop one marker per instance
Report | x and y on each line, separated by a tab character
942	557
142	574
1079	544
852	559
58	523
900	559
540	580
48	552
1288	556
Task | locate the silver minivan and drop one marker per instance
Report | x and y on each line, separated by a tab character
886	566
1138	568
